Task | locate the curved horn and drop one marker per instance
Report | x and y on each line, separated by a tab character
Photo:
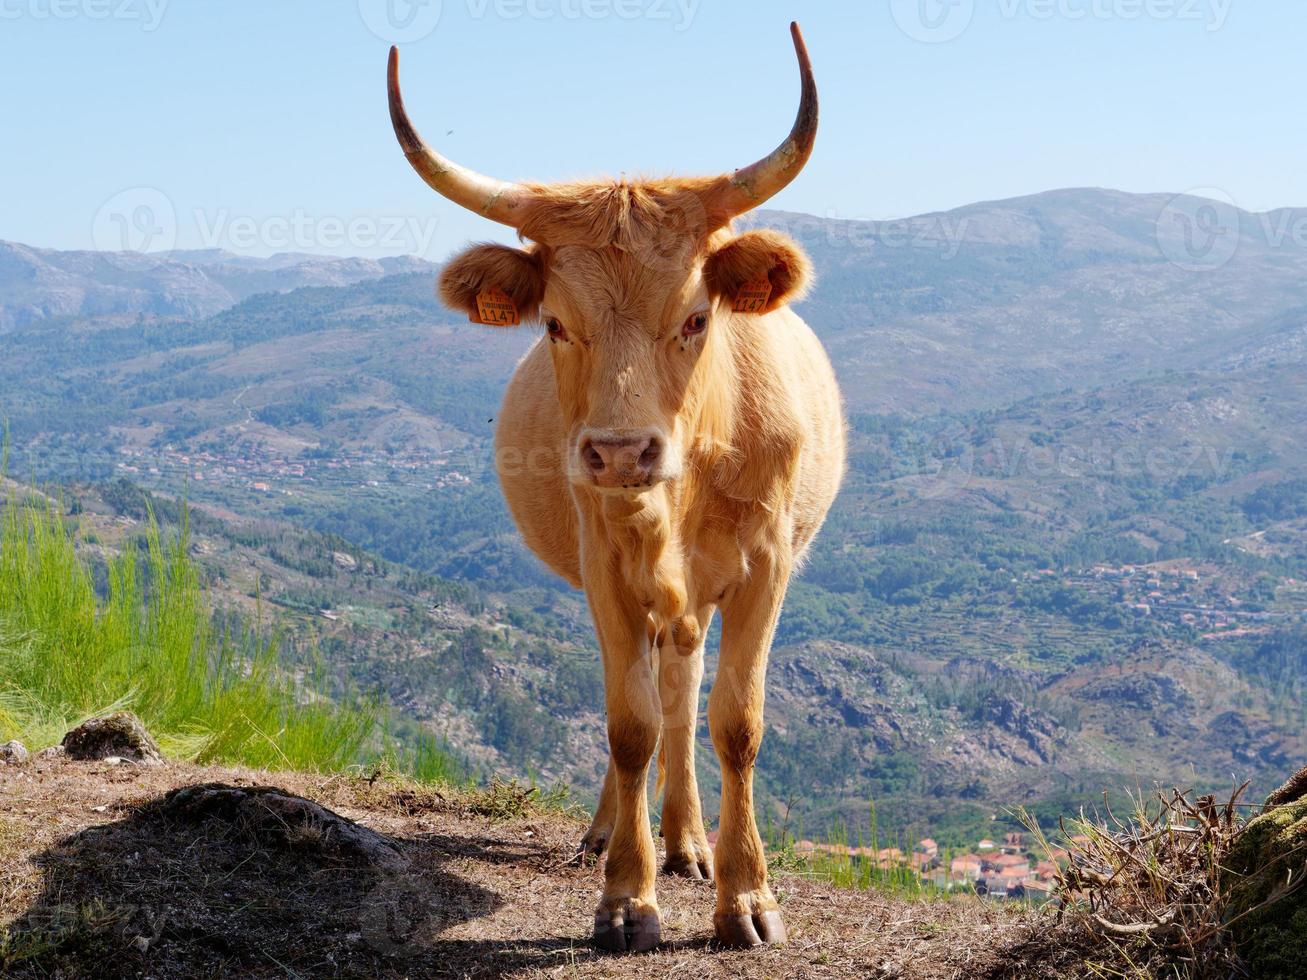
497	200
750	186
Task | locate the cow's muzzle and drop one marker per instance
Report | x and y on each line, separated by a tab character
622	459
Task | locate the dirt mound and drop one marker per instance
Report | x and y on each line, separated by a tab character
112	870
265	813
119	735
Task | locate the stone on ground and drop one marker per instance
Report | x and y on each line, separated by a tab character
13	753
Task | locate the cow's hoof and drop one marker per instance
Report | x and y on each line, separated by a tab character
742	931
627	925
695	863
592	845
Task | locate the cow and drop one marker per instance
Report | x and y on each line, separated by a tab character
670	444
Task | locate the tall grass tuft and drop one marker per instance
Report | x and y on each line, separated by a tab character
67	653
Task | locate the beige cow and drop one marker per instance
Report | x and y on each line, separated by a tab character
671	445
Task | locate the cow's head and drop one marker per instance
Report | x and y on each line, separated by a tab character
635	284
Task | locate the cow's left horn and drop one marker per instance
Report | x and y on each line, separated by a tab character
497	200
750	186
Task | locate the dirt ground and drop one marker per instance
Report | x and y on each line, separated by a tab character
99	877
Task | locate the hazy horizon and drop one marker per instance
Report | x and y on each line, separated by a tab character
263	129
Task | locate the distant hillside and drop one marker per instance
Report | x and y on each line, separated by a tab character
974	306
1070	550
37	284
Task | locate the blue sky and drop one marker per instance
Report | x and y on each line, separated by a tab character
260	125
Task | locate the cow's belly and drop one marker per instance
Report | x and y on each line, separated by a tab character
806	381
530	442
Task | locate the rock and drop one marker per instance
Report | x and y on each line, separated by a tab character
1267	910
49	754
119	734
272	815
1039	731
14	753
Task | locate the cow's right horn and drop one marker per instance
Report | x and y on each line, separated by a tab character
498	200
750	186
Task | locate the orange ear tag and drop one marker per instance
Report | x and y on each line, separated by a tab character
496	309
753	295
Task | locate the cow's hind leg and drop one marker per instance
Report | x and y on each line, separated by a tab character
680	672
595	841
747	913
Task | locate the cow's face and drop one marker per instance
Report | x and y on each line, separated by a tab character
632	281
634	340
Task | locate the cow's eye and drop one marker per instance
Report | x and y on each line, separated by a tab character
555	329
696	324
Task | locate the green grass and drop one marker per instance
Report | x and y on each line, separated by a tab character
843	870
147	643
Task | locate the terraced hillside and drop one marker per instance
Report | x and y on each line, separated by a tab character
1069	553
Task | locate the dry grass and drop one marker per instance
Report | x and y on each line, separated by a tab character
103	879
1147	896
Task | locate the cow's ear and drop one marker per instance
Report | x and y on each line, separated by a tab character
758	272
494	284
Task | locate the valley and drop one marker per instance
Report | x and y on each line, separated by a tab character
1070	554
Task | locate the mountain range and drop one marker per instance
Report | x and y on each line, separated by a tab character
38	283
1070	553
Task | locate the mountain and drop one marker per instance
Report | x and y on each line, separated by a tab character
36	284
1069	554
965	308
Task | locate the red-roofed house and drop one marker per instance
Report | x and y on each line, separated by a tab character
967	866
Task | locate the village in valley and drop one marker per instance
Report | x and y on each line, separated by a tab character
261	470
1009	868
1184	594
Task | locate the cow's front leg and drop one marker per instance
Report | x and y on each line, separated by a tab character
627	917
680	672
747	913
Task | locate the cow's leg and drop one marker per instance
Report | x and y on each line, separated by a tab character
747	912
680	671
627	916
595	841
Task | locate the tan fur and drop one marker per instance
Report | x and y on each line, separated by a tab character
755	432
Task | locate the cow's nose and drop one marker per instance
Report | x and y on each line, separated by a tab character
622	462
